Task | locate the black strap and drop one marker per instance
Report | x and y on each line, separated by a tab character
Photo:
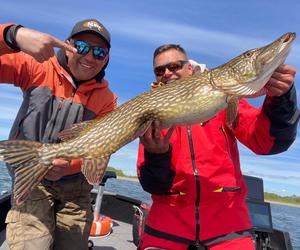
10	37
204	243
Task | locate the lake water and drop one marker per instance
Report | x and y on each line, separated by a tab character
285	218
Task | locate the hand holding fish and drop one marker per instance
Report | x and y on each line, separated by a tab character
153	141
281	80
58	169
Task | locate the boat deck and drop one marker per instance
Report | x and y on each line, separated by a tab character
120	209
120	238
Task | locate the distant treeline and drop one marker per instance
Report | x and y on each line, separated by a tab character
268	196
286	199
119	172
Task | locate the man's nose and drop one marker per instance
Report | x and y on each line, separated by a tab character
168	72
90	55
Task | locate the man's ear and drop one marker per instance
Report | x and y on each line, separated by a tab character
190	68
106	59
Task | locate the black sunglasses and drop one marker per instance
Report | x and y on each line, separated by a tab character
83	48
172	66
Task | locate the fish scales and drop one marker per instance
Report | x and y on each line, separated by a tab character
190	100
164	106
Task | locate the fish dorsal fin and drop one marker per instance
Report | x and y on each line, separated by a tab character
75	130
232	111
94	169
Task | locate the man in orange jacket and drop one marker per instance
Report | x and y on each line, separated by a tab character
59	90
193	172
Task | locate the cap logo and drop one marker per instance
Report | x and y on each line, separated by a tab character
93	25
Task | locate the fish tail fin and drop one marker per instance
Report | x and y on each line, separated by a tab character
23	157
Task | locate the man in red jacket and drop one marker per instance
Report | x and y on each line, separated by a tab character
58	90
193	172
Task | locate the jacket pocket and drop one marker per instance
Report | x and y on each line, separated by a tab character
227	189
17	129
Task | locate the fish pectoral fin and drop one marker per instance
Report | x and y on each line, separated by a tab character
259	93
74	130
232	111
94	169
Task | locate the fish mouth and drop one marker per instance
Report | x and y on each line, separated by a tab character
249	72
289	37
268	60
286	45
278	50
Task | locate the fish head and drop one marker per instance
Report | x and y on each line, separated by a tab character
248	73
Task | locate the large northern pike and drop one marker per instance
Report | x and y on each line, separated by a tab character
190	100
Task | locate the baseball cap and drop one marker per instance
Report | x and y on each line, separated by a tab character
91	26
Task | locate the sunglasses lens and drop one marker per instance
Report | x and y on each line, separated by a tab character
173	67
99	53
82	47
160	70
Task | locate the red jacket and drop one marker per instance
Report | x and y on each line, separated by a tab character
197	187
51	99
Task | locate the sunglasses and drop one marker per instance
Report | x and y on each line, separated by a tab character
173	67
84	48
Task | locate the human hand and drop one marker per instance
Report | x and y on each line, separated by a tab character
58	169
39	45
281	80
153	141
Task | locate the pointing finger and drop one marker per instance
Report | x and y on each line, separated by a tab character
63	45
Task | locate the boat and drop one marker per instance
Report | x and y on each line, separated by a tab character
128	214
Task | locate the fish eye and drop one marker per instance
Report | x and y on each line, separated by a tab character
249	53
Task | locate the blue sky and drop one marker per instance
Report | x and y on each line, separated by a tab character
212	31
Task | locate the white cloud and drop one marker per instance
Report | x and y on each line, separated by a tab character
204	41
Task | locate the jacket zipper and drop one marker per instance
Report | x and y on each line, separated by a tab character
69	108
197	179
60	106
227	143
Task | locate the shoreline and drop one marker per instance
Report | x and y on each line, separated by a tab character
283	203
126	178
135	179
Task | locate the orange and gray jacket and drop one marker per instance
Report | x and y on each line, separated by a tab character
51	99
198	191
